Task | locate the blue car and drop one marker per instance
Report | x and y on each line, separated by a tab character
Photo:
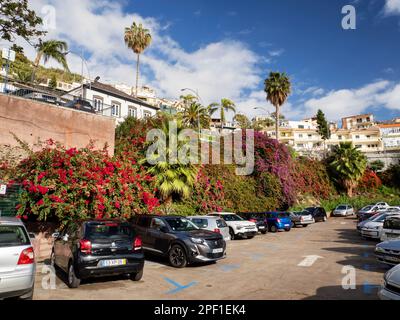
279	221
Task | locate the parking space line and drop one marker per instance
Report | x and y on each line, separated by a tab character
178	286
229	267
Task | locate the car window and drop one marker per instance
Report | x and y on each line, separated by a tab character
11	236
380	218
108	230
157	224
367	208
181	224
201	223
341	208
143	222
221	223
232	217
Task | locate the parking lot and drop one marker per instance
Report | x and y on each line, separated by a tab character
305	263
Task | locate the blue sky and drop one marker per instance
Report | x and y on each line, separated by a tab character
227	48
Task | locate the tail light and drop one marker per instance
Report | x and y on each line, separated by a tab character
217	230
278	220
85	246
252	220
27	256
137	244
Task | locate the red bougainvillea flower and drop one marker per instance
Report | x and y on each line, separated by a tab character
41	176
40	202
42	190
117	205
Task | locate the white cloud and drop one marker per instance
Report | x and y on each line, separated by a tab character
276	53
392	7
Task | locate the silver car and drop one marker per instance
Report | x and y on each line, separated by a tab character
343	210
214	224
17	261
391	285
388	252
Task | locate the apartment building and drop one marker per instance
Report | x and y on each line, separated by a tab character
362	121
390	133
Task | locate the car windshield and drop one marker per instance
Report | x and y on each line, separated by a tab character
392	223
367	208
379	218
12	236
231	217
108	230
282	215
181	224
341	208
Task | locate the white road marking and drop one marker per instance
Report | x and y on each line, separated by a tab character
309	261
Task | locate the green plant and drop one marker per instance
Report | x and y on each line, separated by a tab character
224	106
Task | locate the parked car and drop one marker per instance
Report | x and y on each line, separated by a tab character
318	213
361	224
391	229
391	285
278	221
258	218
388	252
38	96
238	227
369	211
214	224
179	239
17	260
80	104
382	204
343	210
92	248
373	228
301	218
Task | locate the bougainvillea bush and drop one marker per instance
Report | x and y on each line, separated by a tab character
369	181
73	184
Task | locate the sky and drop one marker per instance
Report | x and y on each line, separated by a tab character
226	49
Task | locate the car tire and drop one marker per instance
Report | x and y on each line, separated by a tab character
177	256
29	295
305	225
273	229
232	234
250	237
136	276
72	279
287	229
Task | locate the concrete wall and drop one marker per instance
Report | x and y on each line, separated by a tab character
388	158
30	120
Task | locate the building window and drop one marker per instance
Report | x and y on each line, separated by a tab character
340	137
300	135
132	112
98	104
357	137
115	109
310	135
301	127
146	114
359	120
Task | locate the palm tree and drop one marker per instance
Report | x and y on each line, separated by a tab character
138	39
277	88
195	115
347	165
52	49
224	106
172	179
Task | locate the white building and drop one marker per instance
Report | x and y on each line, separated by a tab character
390	135
109	101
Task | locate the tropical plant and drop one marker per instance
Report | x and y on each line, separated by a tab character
243	121
52	49
137	39
224	106
376	165
347	166
173	178
277	88
195	115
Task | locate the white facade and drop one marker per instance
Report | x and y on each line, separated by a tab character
390	135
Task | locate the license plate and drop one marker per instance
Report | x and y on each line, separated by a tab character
220	250
112	263
261	227
286	225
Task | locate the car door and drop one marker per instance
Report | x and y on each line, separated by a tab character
65	243
158	237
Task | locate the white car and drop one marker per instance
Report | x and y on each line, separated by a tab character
17	260
238	227
391	285
391	229
343	210
382	204
373	227
214	224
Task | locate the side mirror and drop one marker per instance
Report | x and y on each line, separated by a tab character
55	235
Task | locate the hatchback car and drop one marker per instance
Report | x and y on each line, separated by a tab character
388	252
391	229
391	285
374	226
369	211
17	260
258	218
179	239
318	213
238	227
214	224
278	221
94	248
343	210
302	218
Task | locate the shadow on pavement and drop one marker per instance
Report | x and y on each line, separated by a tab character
362	292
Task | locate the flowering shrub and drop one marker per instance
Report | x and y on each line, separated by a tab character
369	181
75	184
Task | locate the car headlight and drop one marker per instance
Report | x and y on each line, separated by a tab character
376	228
239	227
197	240
379	249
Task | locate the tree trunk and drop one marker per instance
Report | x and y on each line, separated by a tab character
277	123
137	74
36	65
222	118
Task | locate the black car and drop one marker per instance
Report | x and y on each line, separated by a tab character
179	239
80	104
318	213
259	219
98	248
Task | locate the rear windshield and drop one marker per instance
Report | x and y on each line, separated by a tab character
12	236
367	208
221	223
341	208
303	213
392	223
201	223
103	230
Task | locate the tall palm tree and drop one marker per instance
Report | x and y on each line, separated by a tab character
52	49
224	106
277	88
172	179
194	115
137	39
347	165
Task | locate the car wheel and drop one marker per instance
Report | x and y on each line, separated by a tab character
73	280
232	234
136	276
287	229
250	237
29	295
273	229
177	256
305	225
